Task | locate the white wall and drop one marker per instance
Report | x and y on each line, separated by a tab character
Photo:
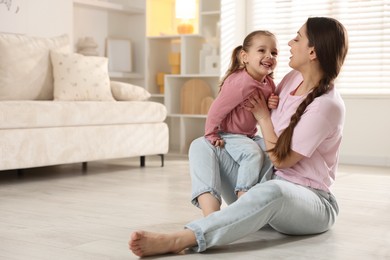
44	18
366	139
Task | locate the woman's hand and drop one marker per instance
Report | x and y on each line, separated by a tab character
258	106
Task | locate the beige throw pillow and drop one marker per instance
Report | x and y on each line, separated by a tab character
25	66
127	92
80	78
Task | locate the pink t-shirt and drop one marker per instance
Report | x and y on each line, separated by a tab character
227	113
317	135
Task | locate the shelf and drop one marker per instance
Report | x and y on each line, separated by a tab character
187	116
210	6
122	19
100	4
158	95
198	76
173	36
161	18
211	13
173	89
125	75
192	75
182	131
168	36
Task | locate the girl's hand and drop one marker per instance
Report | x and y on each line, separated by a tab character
219	143
258	106
273	101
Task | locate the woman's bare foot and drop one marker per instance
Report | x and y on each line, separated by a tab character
144	243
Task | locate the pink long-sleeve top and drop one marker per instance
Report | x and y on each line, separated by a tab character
227	113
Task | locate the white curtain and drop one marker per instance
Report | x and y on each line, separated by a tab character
367	67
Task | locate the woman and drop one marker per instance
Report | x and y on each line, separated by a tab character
302	137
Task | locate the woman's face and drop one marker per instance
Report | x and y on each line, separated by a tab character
300	50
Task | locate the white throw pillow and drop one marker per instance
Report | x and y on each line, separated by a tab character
80	78
127	92
25	66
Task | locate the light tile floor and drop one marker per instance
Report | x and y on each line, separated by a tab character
62	213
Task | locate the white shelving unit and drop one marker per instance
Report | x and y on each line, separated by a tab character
102	19
112	6
184	127
151	27
174	84
161	41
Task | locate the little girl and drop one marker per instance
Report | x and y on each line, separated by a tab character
228	124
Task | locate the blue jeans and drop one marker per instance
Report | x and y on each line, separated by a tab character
247	153
287	207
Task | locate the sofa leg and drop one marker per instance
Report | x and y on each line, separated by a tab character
142	160
162	160
20	173
84	166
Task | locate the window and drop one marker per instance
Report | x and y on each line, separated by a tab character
367	66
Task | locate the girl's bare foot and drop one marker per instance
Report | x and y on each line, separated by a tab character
144	243
240	193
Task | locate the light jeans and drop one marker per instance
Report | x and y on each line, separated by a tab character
287	207
247	153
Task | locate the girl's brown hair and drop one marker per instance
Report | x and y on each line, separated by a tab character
235	61
329	39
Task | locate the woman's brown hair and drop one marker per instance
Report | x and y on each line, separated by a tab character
235	61
329	39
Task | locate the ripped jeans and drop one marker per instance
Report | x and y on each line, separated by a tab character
248	155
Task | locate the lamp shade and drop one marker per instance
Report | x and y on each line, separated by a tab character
185	9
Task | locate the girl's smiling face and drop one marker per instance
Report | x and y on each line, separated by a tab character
260	59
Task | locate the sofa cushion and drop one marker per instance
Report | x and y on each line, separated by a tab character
36	114
25	66
128	92
80	78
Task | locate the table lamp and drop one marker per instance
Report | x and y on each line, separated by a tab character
185	11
